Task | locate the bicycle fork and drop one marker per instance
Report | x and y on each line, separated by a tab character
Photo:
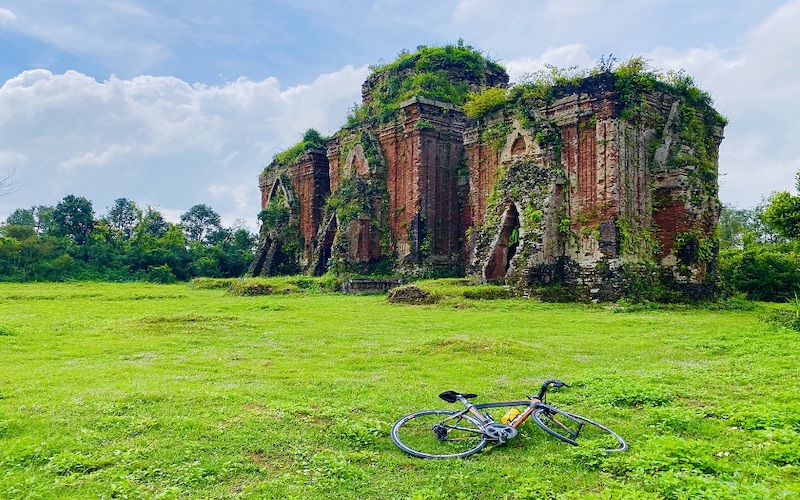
572	433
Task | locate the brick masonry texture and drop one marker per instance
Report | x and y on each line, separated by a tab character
493	199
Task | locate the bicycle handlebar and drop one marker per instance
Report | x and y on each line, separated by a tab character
546	385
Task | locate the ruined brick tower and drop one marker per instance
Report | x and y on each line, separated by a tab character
586	182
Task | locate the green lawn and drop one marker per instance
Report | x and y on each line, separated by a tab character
163	391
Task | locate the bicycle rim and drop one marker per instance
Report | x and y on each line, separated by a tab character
578	430
438	434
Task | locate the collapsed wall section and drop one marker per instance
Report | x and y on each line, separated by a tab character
292	197
580	189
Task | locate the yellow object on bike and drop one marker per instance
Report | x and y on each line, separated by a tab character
510	416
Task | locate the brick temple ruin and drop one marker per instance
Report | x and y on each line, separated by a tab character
580	186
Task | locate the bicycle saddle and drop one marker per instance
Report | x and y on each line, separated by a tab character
452	396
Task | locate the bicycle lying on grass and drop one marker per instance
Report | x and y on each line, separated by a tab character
461	433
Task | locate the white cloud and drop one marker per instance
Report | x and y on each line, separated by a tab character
106	31
756	86
158	140
6	16
563	57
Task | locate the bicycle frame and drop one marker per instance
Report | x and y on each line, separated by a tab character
532	404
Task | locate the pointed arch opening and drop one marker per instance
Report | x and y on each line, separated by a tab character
519	146
326	247
505	247
279	190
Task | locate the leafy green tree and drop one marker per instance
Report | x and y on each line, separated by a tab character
783	213
200	222
238	252
169	249
18	232
9	258
740	228
21	217
104	253
233	252
74	217
124	216
152	223
43	217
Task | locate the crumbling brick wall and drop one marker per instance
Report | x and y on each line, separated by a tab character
570	189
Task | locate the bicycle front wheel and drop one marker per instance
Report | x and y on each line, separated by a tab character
439	434
578	430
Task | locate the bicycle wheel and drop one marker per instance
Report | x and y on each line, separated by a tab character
578	430
438	434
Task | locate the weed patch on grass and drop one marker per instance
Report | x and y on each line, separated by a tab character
249	288
624	393
187	318
470	345
211	283
784	319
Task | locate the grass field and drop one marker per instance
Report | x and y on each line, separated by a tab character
163	391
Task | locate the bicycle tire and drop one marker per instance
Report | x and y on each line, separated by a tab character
572	428
439	434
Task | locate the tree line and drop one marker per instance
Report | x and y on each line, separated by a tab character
760	248
127	243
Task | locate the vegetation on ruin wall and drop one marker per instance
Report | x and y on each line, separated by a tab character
277	224
355	196
440	73
631	80
526	184
311	140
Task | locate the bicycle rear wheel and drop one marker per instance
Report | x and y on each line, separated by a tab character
578	430
439	434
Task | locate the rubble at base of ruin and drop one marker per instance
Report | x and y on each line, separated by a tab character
579	192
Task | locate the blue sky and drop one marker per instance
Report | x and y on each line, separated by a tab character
171	104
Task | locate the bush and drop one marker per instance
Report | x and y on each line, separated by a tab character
763	272
411	294
161	274
481	103
249	288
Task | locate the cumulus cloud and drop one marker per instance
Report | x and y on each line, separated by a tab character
755	85
752	75
158	140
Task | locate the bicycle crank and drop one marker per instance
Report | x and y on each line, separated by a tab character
499	432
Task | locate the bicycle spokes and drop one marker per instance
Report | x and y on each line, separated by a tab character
578	430
438	434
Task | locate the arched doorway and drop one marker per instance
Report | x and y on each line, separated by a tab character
326	247
506	246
